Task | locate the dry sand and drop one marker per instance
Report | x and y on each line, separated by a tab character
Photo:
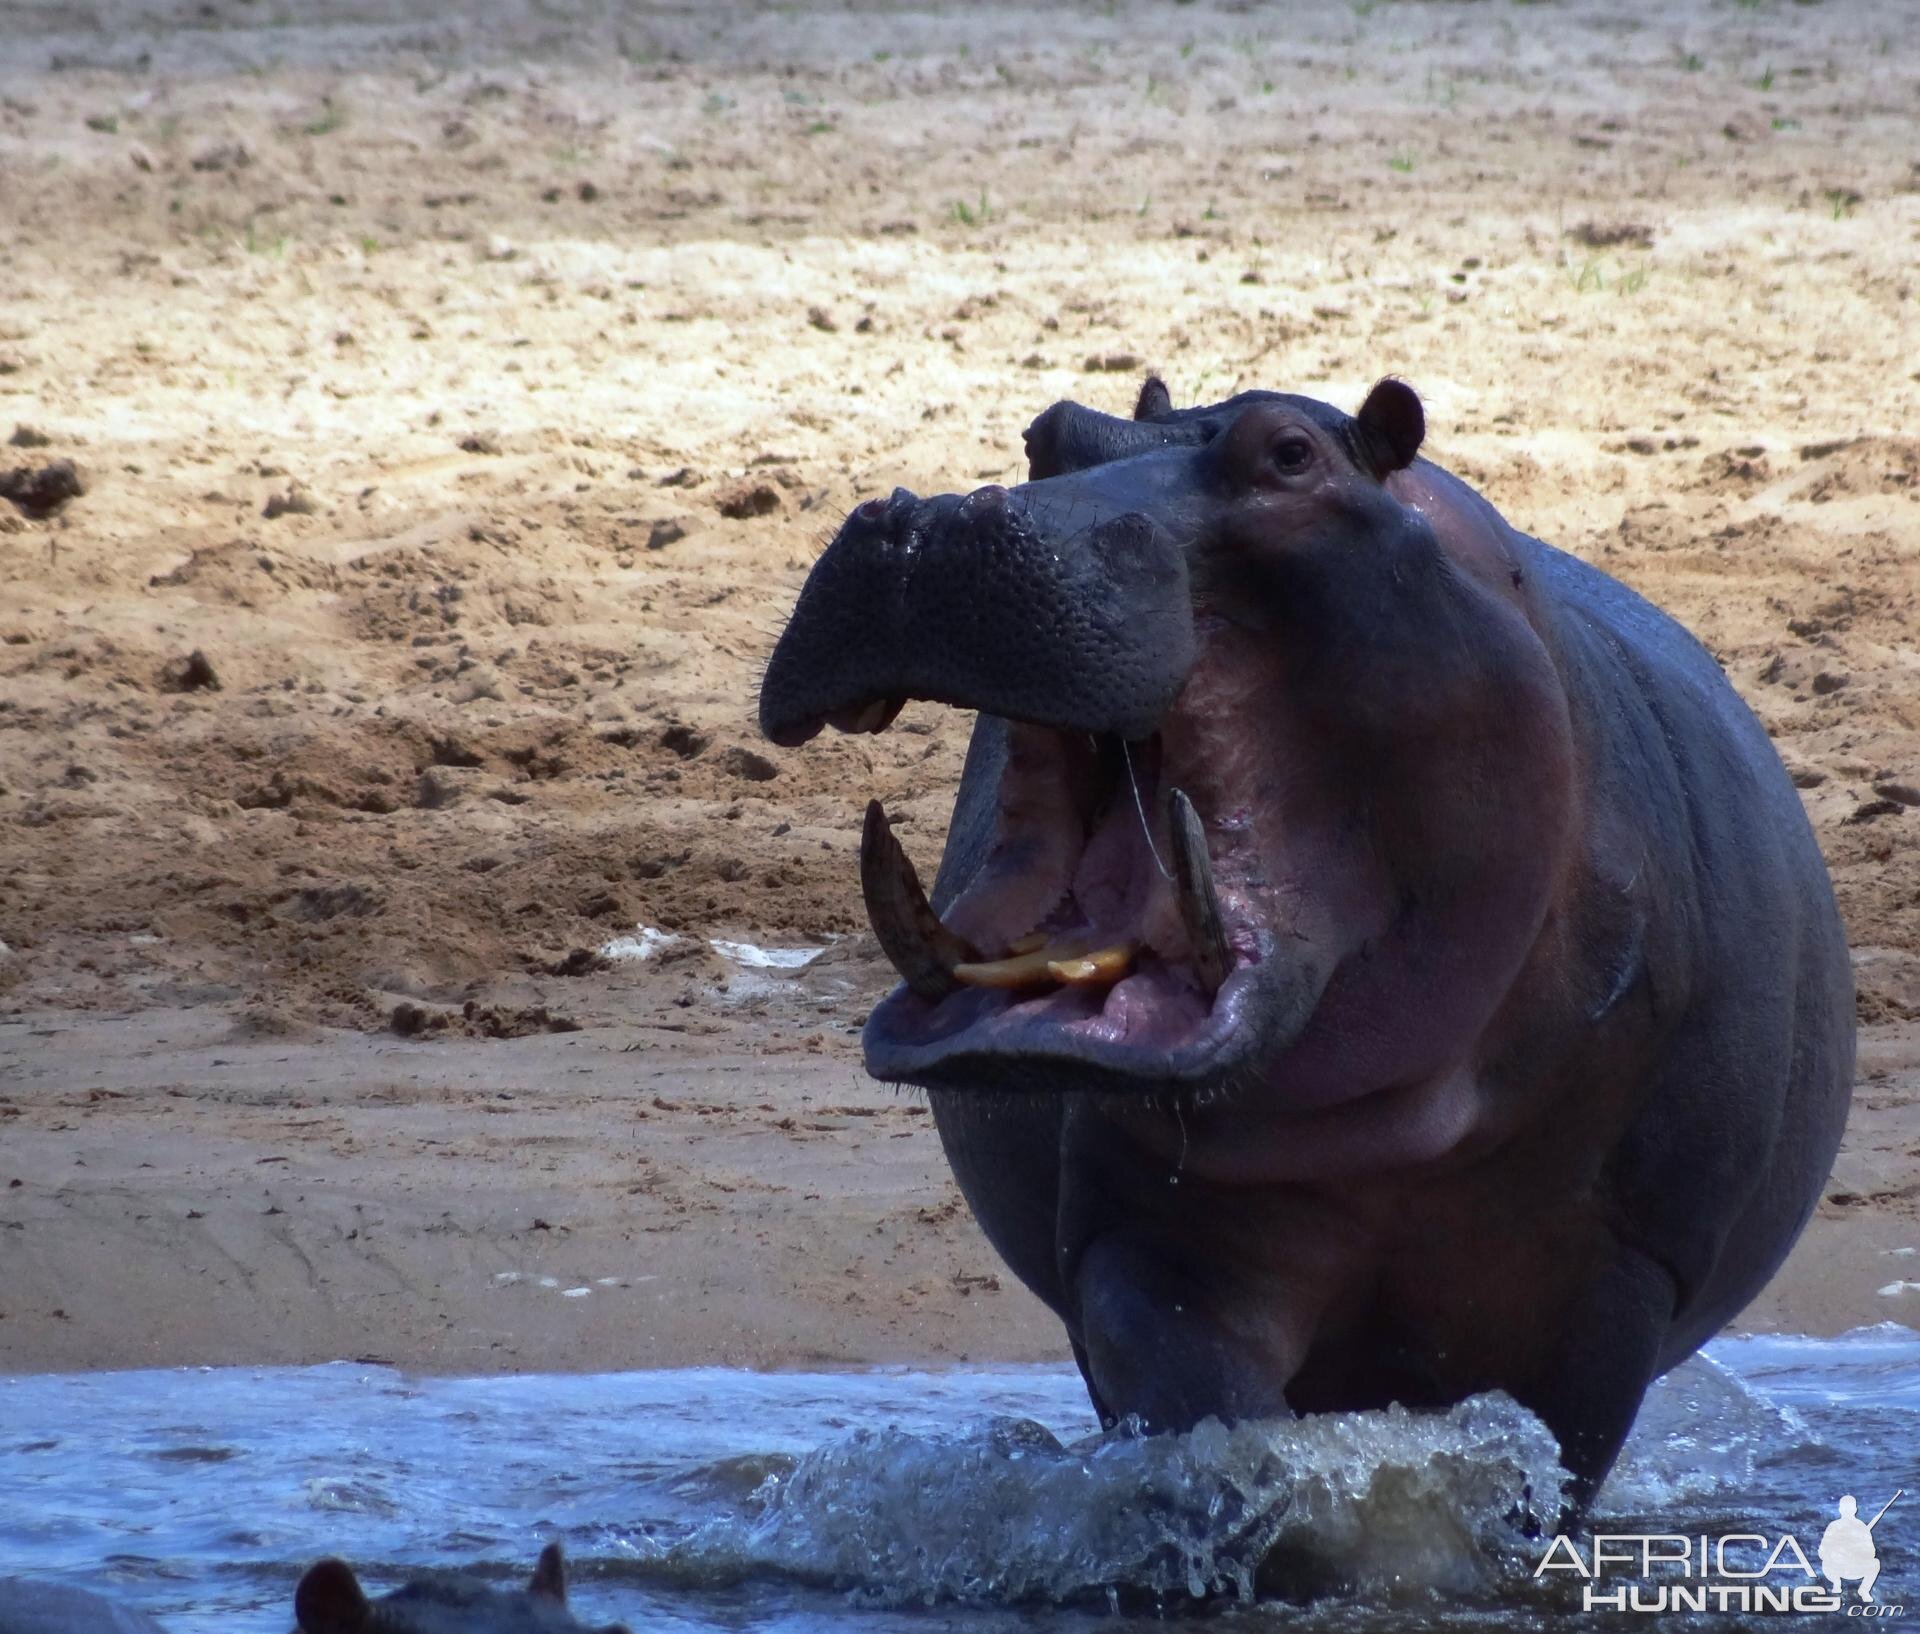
470	387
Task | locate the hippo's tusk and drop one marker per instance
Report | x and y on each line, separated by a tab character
1101	968
1065	961
910	933
1199	902
1029	969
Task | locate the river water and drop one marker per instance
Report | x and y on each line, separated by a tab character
973	1501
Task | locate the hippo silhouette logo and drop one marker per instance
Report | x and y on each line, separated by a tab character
1735	1572
1847	1553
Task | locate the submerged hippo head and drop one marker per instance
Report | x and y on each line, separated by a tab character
330	1600
1259	731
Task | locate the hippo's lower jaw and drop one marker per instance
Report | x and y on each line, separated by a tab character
1101	947
1145	1035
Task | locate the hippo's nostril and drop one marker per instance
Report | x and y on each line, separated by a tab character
983	503
894	513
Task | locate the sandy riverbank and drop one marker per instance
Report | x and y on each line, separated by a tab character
471	392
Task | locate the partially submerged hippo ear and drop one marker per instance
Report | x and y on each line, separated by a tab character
1155	400
1392	425
549	1580
329	1601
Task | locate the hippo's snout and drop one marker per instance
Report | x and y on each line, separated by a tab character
1038	607
1063	609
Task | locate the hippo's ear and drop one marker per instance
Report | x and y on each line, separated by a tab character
1154	401
1392	426
329	1601
549	1581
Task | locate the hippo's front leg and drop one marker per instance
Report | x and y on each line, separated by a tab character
1187	1299
1161	1341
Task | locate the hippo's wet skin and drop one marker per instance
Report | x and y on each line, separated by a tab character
54	1608
330	1600
1378	957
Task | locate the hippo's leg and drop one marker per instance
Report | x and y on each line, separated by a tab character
1004	1149
1005	1153
1107	1416
1193	1299
1163	1341
1607	1353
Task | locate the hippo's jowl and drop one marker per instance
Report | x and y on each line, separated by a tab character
1376	957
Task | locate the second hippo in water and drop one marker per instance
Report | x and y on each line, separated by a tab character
1376	957
27	1607
330	1600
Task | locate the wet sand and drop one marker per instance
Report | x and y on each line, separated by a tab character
470	391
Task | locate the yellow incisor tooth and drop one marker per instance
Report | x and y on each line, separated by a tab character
1022	970
1065	961
1032	942
1101	968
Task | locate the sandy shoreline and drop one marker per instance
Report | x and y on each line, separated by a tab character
194	1192
472	394
598	1200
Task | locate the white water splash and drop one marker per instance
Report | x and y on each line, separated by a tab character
649	940
753	957
643	944
1699	1432
1398	1502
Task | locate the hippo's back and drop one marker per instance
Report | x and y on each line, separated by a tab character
1735	1141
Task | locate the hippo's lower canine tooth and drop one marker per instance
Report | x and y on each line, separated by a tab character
922	949
1199	903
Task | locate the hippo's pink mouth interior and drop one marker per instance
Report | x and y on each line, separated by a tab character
1115	921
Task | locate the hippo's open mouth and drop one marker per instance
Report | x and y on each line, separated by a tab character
1100	933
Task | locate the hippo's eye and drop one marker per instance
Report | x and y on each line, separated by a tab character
1292	454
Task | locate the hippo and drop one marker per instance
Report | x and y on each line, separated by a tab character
27	1607
1376	956
329	1600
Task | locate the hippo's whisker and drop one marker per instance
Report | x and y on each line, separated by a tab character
1146	828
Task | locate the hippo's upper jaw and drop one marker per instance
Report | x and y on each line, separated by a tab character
1144	915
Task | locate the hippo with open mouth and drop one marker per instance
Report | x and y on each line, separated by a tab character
1377	957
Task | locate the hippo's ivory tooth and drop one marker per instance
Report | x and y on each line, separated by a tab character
1101	968
922	949
1030	969
1032	942
1065	960
1199	902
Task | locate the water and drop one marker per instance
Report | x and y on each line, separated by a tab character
978	1501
